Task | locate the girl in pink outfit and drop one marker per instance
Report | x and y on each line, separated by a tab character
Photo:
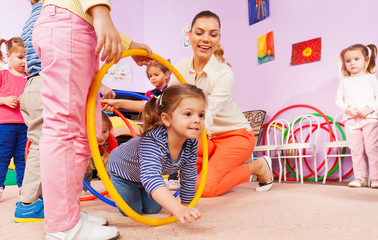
357	96
12	126
68	36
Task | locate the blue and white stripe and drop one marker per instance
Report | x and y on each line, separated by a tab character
32	59
146	159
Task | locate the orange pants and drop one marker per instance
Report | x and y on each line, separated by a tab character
227	153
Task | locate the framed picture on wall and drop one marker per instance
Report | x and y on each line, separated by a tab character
306	52
265	48
258	10
186	39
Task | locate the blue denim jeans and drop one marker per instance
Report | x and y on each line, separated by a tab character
12	144
135	196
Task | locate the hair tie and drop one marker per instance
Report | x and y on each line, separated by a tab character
369	51
6	41
158	94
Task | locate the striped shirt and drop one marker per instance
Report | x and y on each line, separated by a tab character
146	159
32	59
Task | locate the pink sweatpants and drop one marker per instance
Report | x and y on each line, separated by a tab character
227	153
66	45
362	137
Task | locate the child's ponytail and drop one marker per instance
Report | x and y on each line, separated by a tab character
372	56
151	118
1	53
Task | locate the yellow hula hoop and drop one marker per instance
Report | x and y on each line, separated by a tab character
91	102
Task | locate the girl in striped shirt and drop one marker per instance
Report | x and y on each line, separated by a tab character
171	124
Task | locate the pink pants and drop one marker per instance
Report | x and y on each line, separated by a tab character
362	137
227	153
66	45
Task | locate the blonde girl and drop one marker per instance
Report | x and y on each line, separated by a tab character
171	125
357	97
12	126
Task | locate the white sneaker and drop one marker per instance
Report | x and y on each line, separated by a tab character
173	185
85	230
358	182
263	187
374	184
94	218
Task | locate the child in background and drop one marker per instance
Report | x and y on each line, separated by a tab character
12	126
171	125
158	74
357	97
106	143
30	206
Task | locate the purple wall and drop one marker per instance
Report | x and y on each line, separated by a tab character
271	86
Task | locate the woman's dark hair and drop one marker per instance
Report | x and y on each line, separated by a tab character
167	103
205	14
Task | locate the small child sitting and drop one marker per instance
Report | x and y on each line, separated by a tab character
106	143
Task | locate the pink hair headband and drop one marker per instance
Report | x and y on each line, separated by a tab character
6	41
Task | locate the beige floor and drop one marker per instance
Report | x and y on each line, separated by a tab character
289	211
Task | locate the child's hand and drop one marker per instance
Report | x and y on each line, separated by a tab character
363	112
352	112
11	101
109	104
106	92
186	214
107	35
141	60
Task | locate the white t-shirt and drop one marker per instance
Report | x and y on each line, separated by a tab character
358	92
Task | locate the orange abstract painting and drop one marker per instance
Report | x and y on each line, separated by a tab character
306	52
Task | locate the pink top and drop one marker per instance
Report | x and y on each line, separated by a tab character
11	85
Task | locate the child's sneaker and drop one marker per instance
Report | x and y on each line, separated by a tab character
33	212
85	229
1	192
358	182
173	185
374	184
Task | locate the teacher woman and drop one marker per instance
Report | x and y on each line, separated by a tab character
230	137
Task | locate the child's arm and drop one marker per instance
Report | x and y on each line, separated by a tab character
353	112
108	37
133	105
106	91
182	213
10	101
363	112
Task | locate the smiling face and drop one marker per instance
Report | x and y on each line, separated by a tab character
355	62
205	38
187	120
157	77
